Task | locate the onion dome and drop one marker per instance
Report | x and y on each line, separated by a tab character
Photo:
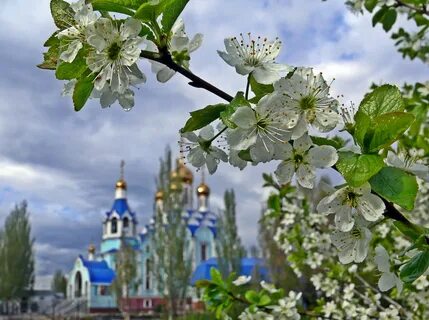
184	173
159	195
91	248
174	187
203	190
121	184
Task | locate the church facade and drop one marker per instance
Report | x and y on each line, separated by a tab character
92	275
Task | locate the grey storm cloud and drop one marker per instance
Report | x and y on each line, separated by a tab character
66	163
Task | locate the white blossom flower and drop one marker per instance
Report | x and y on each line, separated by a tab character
242	280
254	56
69	88
74	36
269	287
260	129
388	278
304	99
407	164
348	202
258	315
352	245
180	48
304	159
201	150
390	313
286	308
117	50
329	308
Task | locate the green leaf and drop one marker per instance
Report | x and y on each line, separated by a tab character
50	58
52	40
413	232
202	117
62	14
216	277
116	6
358	168
148	12
264	300
259	89
252	296
245	155
396	185
415	267
130	4
370	4
171	11
72	70
389	19
381	131
238	101
82	91
334	142
378	16
383	99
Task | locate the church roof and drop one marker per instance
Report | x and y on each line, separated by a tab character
120	206
99	271
248	267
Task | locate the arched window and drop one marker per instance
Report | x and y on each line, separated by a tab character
78	285
114	226
126	222
203	252
148	272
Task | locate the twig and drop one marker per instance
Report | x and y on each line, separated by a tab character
422	10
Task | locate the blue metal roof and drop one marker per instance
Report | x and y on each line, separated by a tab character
99	271
121	207
247	268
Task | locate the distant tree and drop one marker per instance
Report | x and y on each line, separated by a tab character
172	256
59	282
17	257
126	274
228	245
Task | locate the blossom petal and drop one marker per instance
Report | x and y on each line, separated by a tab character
300	128
190	136
206	133
98	42
130	28
126	100
211	164
370	206
326	119
305	175
244	117
243	69
107	98
196	42
387	281
196	157
241	139
323	156
285	171
265	76
343	219
282	151
165	74
382	259
71	52
303	143
261	151
235	160
362	245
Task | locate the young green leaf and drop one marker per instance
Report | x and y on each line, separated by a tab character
148	12
336	142
62	14
383	99
389	19
238	101
171	11
202	117
72	70
116	6
216	277
378	16
259	89
50	58
358	168
82	91
415	267
396	185
374	134
252	296
413	232
370	4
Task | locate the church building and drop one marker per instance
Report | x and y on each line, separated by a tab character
92	275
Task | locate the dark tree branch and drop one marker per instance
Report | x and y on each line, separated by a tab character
197	82
422	10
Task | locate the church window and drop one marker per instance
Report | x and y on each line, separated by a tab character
203	252
126	222
114	226
148	272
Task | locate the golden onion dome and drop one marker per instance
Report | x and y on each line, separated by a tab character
174	175
174	187
121	184
184	173
159	195
203	190
91	248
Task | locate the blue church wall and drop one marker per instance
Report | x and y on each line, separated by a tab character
203	235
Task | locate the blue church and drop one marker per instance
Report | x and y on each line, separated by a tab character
90	280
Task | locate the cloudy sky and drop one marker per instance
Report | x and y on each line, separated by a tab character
66	163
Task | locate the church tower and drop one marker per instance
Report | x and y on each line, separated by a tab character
120	222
